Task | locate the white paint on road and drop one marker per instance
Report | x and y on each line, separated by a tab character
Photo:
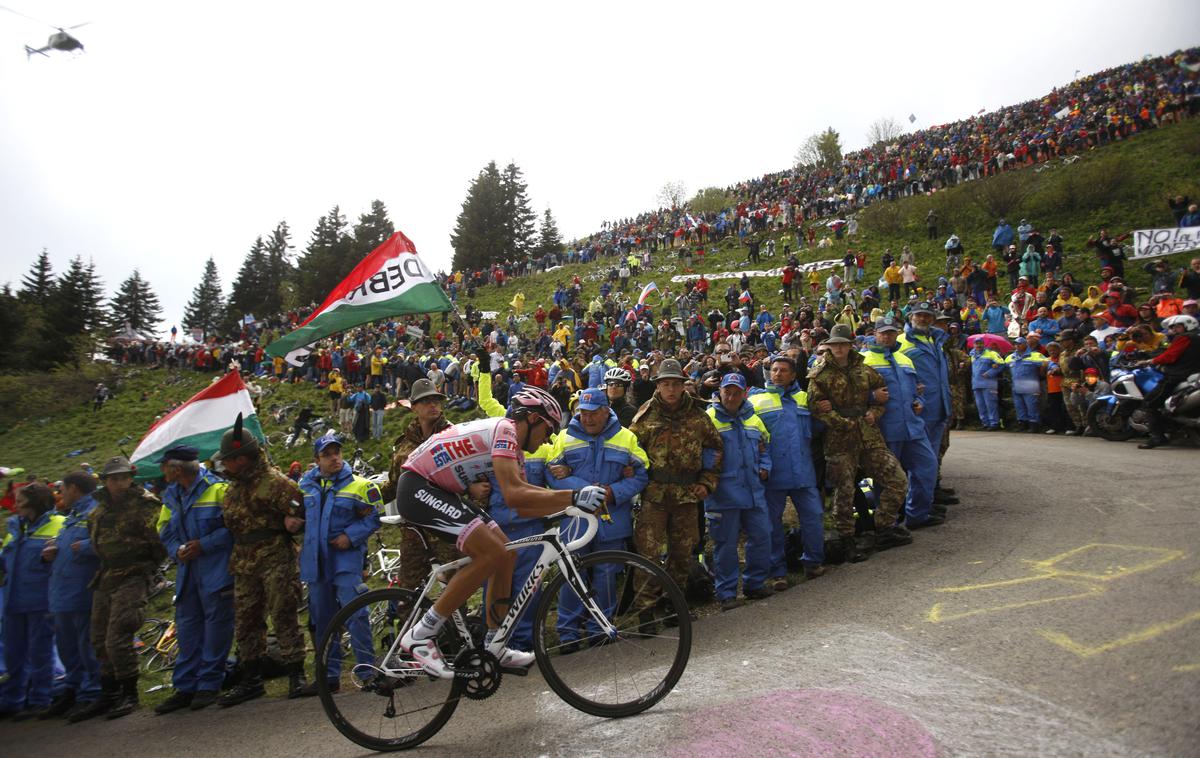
965	712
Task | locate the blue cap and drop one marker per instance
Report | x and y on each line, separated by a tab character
735	379
325	440
1022	341
593	399
180	453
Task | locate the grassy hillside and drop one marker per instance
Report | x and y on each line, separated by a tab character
1121	187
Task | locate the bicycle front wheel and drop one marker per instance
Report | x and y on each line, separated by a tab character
383	701
625	671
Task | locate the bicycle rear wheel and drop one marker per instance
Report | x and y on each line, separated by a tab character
626	673
385	702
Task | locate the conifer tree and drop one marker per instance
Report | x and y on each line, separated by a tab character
136	304
206	309
549	239
37	286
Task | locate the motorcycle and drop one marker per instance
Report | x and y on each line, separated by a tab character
1122	413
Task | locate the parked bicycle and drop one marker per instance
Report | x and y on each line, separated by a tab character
626	651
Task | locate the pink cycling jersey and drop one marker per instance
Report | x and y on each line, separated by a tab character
455	457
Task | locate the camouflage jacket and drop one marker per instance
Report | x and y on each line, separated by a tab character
124	537
255	505
675	441
849	390
407	442
959	364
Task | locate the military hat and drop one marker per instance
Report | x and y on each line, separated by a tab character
118	464
922	307
841	334
670	369
423	389
886	324
180	453
237	441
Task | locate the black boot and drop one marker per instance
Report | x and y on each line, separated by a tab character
854	553
249	688
127	699
893	536
177	702
110	691
59	706
297	685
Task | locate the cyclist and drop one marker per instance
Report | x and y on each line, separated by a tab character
429	495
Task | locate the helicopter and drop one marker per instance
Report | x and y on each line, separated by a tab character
60	40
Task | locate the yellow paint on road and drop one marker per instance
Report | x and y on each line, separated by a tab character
961	607
1142	635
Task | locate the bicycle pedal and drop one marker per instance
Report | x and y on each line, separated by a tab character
515	670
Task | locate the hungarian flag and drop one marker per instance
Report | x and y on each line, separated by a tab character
199	422
391	281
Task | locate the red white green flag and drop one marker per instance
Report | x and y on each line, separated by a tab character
199	422
391	281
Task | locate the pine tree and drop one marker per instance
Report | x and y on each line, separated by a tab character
278	269
206	309
246	296
371	231
326	260
549	239
480	232
519	217
136	304
37	286
23	347
76	308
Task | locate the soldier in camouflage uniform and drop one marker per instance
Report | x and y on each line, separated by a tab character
853	443
262	509
1072	377
675	433
418	550
121	531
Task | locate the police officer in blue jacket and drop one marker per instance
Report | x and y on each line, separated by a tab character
739	504
783	408
28	626
71	573
901	424
192	527
924	344
986	368
595	449
341	512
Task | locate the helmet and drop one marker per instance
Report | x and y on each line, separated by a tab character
1189	323
617	374
538	401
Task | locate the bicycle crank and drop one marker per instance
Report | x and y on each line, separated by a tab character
481	672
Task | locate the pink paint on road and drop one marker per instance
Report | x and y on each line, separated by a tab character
811	723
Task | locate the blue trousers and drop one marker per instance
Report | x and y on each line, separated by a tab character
603	582
521	637
810	511
73	636
987	402
204	630
1027	407
324	600
29	656
724	526
920	464
935	428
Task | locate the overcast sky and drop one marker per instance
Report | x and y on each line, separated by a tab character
185	131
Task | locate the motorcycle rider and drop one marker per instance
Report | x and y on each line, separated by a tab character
1180	360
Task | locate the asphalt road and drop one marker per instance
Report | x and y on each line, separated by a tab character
1056	614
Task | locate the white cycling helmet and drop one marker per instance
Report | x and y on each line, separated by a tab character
1189	323
617	374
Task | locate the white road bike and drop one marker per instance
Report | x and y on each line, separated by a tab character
611	635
